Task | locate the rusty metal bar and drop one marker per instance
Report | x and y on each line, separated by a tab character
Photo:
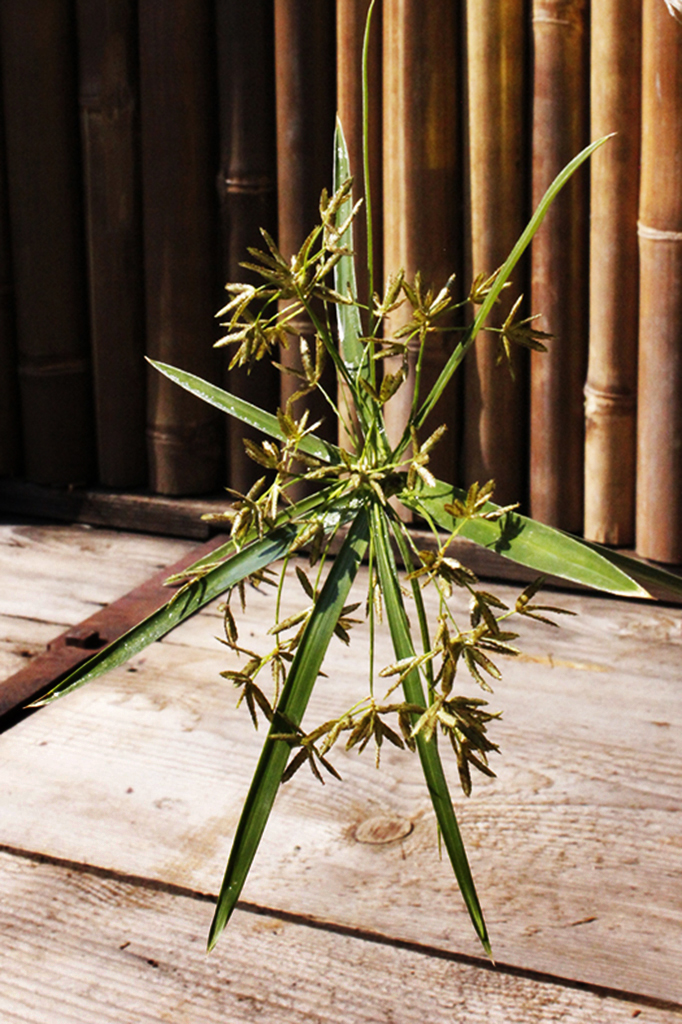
71	648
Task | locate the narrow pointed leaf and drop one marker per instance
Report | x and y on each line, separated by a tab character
244	411
502	276
428	750
290	710
347	317
216	581
542	548
660	582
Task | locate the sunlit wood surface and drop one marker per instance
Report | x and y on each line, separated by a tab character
119	803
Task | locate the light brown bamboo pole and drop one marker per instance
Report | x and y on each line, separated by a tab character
559	264
350	23
178	172
107	36
611	389
305	104
422	182
659	422
494	402
39	71
246	185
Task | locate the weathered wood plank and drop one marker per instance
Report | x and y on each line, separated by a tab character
75	645
79	949
150	513
20	640
62	574
575	848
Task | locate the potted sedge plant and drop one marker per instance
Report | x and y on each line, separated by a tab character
416	700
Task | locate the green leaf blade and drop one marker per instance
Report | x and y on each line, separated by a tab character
244	411
542	548
255	555
348	320
216	581
502	277
428	750
290	710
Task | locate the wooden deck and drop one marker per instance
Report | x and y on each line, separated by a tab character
119	802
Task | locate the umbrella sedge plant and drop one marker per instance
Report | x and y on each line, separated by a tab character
421	707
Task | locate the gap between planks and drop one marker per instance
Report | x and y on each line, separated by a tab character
499	987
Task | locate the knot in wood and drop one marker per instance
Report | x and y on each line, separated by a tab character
382	829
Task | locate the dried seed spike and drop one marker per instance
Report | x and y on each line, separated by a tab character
229	625
305	583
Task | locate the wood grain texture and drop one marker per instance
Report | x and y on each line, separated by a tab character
87	949
62	574
575	848
149	513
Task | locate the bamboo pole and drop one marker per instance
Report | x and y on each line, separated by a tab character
611	389
659	422
178	167
422	181
559	264
38	39
305	104
350	22
246	184
494	401
10	430
107	33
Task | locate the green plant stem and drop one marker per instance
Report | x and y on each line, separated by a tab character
428	750
289	713
367	183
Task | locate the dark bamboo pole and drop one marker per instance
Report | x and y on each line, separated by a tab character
559	264
494	401
39	61
306	102
422	179
10	430
180	211
107	33
350	23
611	389
246	183
659	421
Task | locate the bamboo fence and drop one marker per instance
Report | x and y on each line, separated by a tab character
494	427
113	215
611	388
42	145
423	179
142	149
659	425
559	263
247	179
